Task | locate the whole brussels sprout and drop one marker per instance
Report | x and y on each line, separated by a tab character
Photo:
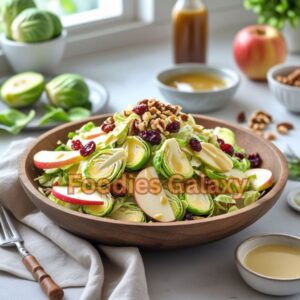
32	26
23	89
56	24
67	91
10	10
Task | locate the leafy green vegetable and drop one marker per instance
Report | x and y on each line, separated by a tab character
14	121
57	114
12	8
32	25
242	165
56	24
275	12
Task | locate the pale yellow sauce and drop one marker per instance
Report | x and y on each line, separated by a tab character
275	261
196	82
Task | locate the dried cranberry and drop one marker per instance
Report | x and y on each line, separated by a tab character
108	127
188	216
255	160
227	148
76	145
195	144
220	141
173	127
239	155
140	109
88	149
151	136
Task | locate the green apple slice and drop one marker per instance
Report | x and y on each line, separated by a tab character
214	158
155	205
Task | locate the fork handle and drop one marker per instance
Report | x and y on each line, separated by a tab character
51	289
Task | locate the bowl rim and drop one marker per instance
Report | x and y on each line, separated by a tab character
16	44
272	80
264	236
280	183
236	79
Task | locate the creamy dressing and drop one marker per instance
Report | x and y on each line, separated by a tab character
196	82
275	261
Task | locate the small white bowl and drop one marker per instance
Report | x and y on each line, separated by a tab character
288	96
199	101
40	57
261	283
291	199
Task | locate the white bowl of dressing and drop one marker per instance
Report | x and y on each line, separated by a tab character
198	88
270	264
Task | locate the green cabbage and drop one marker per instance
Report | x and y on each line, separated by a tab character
10	10
32	26
67	91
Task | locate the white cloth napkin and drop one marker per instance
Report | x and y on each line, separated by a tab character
106	273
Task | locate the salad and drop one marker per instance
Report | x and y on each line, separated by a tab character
151	163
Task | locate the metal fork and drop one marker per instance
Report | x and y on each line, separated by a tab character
10	237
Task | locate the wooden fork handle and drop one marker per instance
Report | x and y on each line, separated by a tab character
51	289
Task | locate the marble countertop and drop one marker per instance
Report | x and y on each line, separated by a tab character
207	271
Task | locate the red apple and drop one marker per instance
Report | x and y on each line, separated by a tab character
78	197
257	48
261	180
56	159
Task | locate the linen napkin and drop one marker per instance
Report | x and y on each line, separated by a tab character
105	273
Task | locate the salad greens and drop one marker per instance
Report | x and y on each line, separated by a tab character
151	163
13	121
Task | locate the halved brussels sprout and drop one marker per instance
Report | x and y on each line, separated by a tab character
107	164
10	10
63	203
100	210
214	158
138	153
170	160
226	134
57	25
32	26
199	204
178	205
223	203
128	211
23	89
67	91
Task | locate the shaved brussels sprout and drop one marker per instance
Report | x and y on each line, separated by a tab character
178	205
138	153
100	210
108	164
250	197
63	203
32	26
10	10
127	211
199	204
170	160
67	91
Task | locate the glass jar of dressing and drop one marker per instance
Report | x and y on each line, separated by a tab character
190	18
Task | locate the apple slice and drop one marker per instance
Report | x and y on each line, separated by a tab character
80	198
56	159
214	158
262	179
95	132
156	206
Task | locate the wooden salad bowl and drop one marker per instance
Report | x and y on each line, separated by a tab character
155	235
